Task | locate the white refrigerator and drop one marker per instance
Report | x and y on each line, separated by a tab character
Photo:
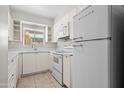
92	36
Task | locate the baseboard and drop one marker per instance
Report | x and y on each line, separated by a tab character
34	73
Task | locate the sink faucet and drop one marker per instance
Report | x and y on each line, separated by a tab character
35	49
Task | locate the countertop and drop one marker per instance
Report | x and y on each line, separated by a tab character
62	53
12	54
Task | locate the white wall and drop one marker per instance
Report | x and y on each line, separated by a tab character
3	46
29	17
61	16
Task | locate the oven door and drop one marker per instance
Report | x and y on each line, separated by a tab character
57	63
57	75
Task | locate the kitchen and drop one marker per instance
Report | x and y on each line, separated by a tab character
39	52
64	46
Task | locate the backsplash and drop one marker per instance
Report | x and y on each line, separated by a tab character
14	45
19	46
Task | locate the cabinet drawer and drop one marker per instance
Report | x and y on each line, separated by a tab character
11	83
11	65
12	80
12	74
11	70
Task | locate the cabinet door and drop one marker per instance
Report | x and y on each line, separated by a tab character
17	70
50	61
71	15
12	72
42	61
29	63
10	27
63	27
20	60
55	33
66	70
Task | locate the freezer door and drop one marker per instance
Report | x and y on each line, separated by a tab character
89	67
92	23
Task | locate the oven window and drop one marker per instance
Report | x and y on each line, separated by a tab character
56	60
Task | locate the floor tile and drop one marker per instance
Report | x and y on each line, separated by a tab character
26	82
43	80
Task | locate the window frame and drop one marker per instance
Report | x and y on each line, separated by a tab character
45	39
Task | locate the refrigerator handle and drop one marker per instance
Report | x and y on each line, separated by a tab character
78	38
78	45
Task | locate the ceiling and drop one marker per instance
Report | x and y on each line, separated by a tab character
49	11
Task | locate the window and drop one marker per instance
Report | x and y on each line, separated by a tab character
34	34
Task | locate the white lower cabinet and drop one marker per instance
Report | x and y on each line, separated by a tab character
17	70
26	63
66	70
42	61
13	72
29	62
35	62
20	60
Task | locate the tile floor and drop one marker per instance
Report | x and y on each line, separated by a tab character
43	80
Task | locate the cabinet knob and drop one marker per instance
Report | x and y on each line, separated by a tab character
12	60
12	75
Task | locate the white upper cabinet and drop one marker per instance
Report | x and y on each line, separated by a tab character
71	15
61	28
64	26
17	32
10	27
14	29
55	33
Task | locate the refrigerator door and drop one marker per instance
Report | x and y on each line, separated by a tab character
89	67
92	23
